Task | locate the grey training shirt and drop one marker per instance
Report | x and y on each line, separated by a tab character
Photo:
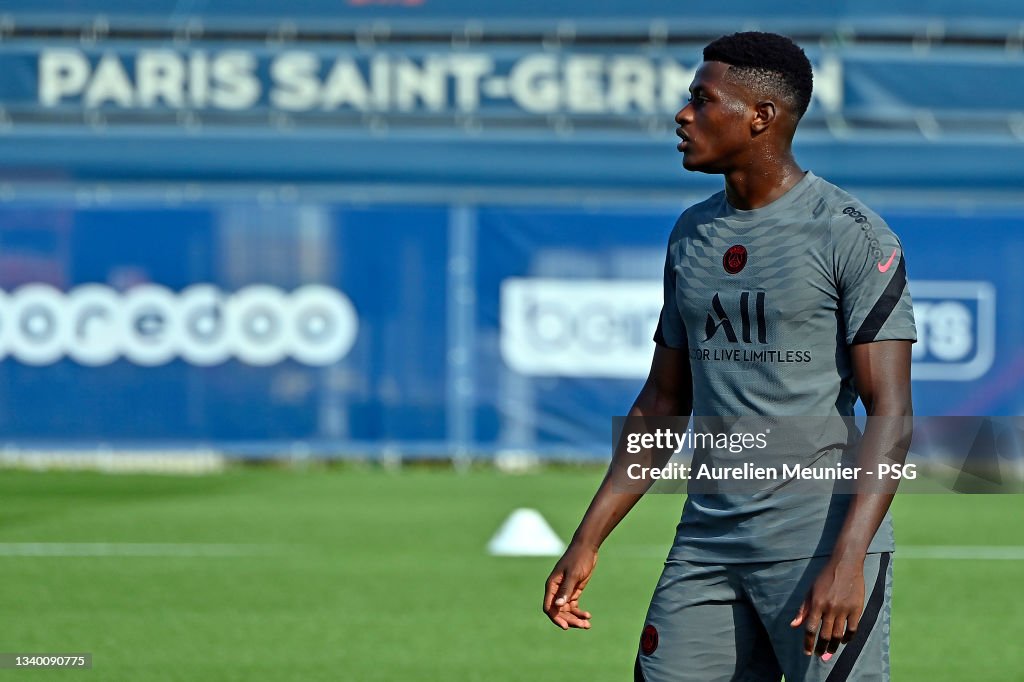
767	303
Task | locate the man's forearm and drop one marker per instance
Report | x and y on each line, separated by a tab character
886	440
617	494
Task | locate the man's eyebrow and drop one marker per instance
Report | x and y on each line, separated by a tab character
699	88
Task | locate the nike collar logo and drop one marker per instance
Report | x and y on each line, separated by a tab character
883	268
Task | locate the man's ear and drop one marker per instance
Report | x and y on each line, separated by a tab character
764	115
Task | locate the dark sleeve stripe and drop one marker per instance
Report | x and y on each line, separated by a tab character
844	664
659	336
884	306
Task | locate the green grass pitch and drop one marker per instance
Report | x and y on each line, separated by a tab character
362	574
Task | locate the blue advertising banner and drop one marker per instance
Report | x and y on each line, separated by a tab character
421	329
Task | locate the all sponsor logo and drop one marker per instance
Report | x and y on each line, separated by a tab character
721	319
751	327
151	325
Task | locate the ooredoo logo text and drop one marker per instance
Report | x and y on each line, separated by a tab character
149	325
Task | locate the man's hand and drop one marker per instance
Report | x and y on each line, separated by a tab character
565	585
831	612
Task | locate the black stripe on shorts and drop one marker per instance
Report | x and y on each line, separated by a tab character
638	672
844	664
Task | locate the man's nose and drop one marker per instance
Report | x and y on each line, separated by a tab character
684	114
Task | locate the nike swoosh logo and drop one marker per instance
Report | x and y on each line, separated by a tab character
883	268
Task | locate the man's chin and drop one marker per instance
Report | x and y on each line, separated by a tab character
694	166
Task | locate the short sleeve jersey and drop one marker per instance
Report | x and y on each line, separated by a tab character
767	303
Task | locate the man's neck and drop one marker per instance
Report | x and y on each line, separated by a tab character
758	185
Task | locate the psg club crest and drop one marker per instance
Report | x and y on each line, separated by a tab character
649	640
734	259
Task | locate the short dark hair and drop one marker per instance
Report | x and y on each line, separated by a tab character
766	62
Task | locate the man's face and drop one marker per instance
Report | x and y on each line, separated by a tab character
714	126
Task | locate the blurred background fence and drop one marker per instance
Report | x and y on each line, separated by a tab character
435	228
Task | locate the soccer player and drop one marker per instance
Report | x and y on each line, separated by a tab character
806	289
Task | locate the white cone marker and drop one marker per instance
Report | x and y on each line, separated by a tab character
525	533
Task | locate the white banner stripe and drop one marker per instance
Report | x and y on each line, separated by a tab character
962	552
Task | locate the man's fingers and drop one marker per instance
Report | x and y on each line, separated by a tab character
810	617
824	636
562	592
567	617
851	625
835	638
551	588
579	613
812	623
568	590
575	621
800	615
560	601
838	631
810	635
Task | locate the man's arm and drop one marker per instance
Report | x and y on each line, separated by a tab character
834	605
668	392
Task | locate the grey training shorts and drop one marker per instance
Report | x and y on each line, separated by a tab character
731	623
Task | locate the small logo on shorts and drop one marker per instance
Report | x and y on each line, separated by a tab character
734	259
649	640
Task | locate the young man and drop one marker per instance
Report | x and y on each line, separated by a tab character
757	587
